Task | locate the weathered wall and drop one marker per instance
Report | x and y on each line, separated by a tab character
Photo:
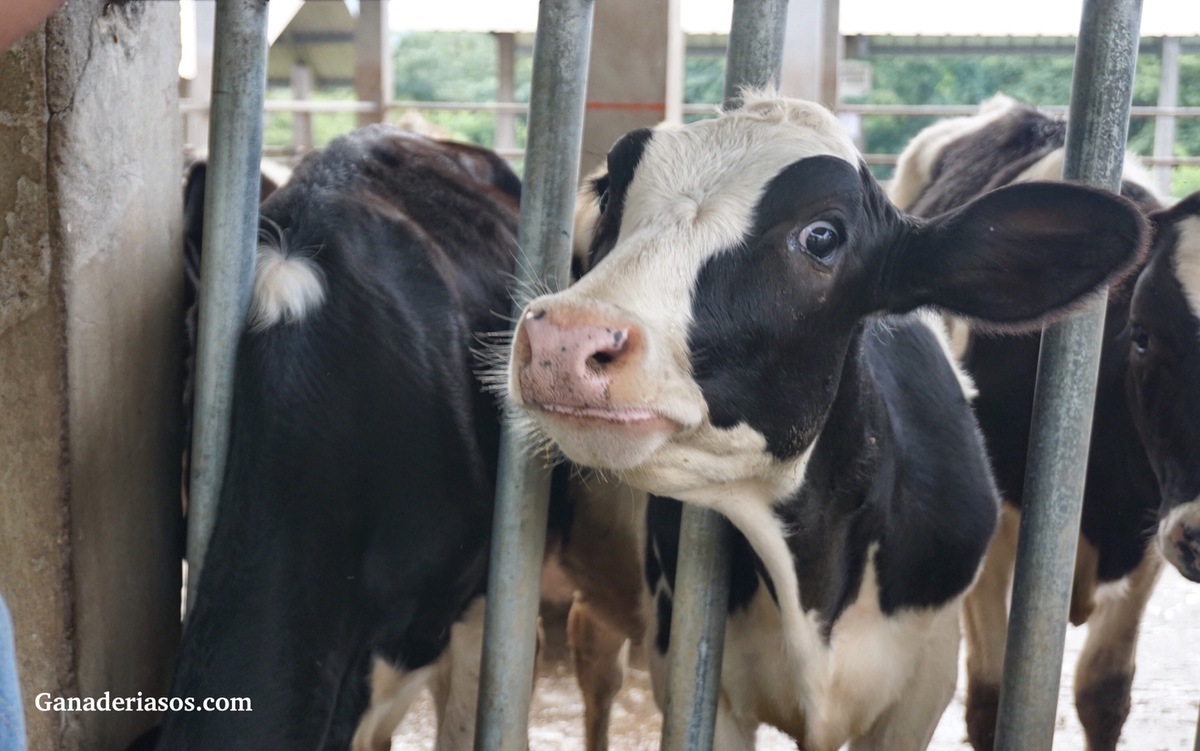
90	361
627	74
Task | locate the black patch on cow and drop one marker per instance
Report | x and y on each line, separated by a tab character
663	519
1163	341
988	158
610	189
898	460
1121	495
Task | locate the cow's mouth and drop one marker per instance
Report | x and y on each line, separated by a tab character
632	418
614	438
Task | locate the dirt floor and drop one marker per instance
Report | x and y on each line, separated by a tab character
1163	718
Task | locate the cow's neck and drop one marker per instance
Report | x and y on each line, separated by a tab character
829	519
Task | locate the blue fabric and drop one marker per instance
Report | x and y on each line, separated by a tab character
12	721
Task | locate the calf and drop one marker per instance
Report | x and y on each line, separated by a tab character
1164	377
946	166
355	512
745	341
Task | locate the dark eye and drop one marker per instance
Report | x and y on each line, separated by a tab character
819	239
603	201
1140	338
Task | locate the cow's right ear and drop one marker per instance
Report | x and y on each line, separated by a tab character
1017	255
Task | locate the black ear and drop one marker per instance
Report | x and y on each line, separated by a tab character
1018	254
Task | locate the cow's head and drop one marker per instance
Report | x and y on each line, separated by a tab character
733	262
1164	377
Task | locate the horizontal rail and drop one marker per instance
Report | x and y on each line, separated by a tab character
310	106
518	108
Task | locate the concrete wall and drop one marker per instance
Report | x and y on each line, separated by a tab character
90	361
627	74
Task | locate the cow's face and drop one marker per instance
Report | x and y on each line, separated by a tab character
1164	340
732	263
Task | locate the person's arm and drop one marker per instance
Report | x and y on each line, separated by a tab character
21	17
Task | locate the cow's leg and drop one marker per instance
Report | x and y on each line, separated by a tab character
908	724
1104	674
393	690
599	653
985	619
455	682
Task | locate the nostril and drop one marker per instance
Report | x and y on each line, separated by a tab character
606	354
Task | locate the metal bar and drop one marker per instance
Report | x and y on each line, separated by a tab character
1196	745
1101	93
227	255
560	62
1164	125
701	592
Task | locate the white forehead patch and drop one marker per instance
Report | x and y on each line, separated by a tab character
1187	261
706	179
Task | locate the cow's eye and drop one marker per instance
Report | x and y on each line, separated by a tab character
1140	339
819	239
603	201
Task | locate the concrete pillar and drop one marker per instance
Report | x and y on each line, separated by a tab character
372	60
90	362
302	129
810	51
627	76
200	88
1164	125
506	65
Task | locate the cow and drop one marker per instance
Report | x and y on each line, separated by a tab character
752	337
1164	376
355	513
945	167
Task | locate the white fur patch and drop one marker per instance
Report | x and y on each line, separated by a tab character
1187	261
874	666
287	287
947	330
1184	513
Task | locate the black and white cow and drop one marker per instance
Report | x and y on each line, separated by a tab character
746	340
1164	334
950	164
355	514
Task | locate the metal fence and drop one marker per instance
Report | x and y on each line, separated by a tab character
1100	101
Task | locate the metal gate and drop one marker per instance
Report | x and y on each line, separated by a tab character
1099	116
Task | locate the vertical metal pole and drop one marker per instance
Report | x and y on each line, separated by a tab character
701	593
227	255
560	61
1101	93
1164	125
1196	745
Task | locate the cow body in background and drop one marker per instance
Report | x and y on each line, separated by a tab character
946	166
745	341
356	509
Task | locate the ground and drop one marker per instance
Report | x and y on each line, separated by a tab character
1163	718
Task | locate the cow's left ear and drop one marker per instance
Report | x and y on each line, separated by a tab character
1017	255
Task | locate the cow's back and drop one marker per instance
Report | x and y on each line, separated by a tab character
357	500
